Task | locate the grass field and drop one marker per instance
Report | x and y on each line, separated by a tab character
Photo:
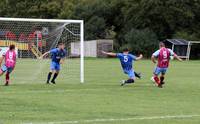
100	100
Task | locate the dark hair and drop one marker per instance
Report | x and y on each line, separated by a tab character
12	47
61	43
162	44
125	50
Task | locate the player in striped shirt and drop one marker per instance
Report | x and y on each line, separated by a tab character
10	58
163	56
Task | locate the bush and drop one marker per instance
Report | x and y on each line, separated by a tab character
95	28
185	35
142	41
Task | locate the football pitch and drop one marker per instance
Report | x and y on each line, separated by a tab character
101	99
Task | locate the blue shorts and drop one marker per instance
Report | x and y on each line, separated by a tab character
4	68
130	73
55	66
158	70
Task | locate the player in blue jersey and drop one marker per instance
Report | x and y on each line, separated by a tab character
57	58
126	60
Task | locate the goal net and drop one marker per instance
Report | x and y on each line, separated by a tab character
33	37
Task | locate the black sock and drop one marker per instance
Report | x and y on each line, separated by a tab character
49	77
137	75
162	79
129	81
54	77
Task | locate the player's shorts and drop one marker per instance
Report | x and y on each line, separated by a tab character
4	68
55	66
130	73
158	70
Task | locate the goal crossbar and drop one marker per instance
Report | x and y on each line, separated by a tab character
40	20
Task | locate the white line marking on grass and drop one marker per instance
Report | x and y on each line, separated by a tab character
117	119
60	90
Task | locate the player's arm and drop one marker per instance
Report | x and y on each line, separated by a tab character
1	59
109	53
62	61
177	57
153	59
139	57
15	62
154	56
46	53
63	57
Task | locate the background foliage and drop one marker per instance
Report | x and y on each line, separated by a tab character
140	24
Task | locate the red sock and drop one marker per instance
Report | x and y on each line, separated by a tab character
157	80
7	77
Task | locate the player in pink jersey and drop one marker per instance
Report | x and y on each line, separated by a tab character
10	60
163	56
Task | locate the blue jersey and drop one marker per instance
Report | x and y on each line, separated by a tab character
126	61
57	54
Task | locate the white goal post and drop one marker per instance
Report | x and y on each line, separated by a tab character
28	33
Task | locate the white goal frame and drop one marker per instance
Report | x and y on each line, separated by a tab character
81	22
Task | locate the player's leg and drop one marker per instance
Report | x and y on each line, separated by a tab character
3	70
162	77
156	74
54	77
52	68
7	78
9	70
131	76
49	76
57	70
138	75
131	79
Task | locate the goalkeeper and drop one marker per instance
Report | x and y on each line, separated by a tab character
57	58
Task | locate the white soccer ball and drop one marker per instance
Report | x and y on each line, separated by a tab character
152	79
172	57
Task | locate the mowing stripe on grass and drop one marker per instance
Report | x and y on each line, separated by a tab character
116	119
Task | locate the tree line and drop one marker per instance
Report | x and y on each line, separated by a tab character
137	24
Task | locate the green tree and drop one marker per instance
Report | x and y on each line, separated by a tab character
118	19
98	18
142	41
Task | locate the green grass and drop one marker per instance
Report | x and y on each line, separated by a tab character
29	100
